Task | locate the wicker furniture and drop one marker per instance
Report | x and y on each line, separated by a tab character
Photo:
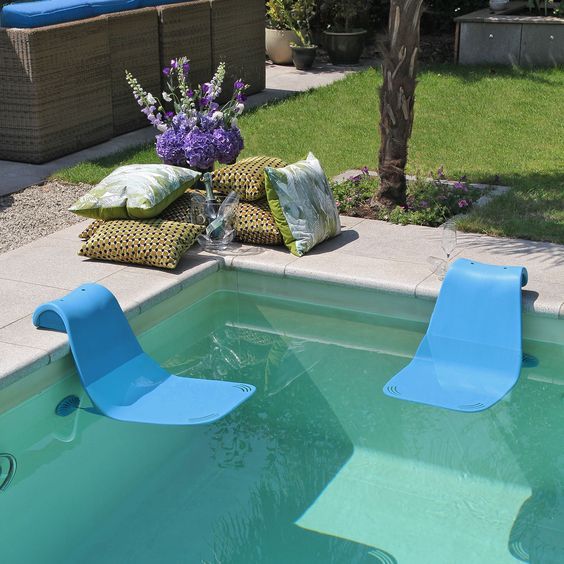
62	87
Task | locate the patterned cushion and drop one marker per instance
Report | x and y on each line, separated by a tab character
179	210
153	242
135	191
303	205
254	224
246	177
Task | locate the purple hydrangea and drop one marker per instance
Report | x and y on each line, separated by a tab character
170	147
228	144
199	149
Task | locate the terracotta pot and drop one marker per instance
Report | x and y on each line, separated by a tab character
278	45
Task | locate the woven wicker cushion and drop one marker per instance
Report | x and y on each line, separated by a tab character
246	177
303	205
153	242
135	191
254	224
46	12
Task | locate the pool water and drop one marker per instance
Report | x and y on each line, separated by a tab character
319	466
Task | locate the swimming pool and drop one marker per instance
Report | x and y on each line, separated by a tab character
319	466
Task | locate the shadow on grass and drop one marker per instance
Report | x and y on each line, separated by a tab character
475	73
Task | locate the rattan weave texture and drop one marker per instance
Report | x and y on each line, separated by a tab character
56	98
134	45
185	30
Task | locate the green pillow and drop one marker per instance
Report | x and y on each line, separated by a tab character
303	205
135	191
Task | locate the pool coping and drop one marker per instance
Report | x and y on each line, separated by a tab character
368	254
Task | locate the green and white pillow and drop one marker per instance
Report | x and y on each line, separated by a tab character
303	205
135	191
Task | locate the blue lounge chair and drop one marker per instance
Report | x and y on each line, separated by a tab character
120	379
471	354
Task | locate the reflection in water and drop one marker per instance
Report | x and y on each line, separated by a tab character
319	467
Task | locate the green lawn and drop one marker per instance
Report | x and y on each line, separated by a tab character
477	122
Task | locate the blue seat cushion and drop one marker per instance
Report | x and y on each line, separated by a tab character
101	7
51	12
153	3
45	12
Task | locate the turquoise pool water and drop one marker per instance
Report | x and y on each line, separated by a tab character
318	467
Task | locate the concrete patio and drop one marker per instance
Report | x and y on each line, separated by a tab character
370	254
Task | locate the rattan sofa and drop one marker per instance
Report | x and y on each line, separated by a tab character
62	87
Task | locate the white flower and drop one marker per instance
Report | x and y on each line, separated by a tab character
234	122
167	97
217	116
239	108
151	99
162	127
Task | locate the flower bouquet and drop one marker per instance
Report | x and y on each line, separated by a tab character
198	131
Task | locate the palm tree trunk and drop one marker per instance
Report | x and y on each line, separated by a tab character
397	97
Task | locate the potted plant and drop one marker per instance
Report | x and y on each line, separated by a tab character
278	35
296	15
343	41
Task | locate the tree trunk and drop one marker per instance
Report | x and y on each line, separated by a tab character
397	97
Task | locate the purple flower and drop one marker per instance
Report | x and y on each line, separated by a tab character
441	172
238	85
190	93
207	123
166	71
241	98
174	63
170	147
365	170
228	144
169	115
199	149
206	87
463	178
459	185
463	204
186	68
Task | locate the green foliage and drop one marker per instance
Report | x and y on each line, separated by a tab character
293	14
480	121
429	201
342	14
353	192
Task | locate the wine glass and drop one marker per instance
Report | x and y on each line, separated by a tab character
449	238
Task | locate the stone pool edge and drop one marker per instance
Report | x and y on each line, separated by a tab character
24	349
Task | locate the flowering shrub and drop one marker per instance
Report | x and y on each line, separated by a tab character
354	191
198	132
429	201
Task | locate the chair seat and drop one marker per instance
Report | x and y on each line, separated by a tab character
122	381
471	354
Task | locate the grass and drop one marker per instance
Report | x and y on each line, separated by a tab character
474	121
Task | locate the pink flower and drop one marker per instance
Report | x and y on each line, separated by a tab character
463	204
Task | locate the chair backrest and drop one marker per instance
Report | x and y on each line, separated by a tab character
480	303
100	336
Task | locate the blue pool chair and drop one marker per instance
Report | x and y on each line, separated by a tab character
471	354
121	380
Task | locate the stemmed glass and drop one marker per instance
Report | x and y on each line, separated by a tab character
449	238
439	266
